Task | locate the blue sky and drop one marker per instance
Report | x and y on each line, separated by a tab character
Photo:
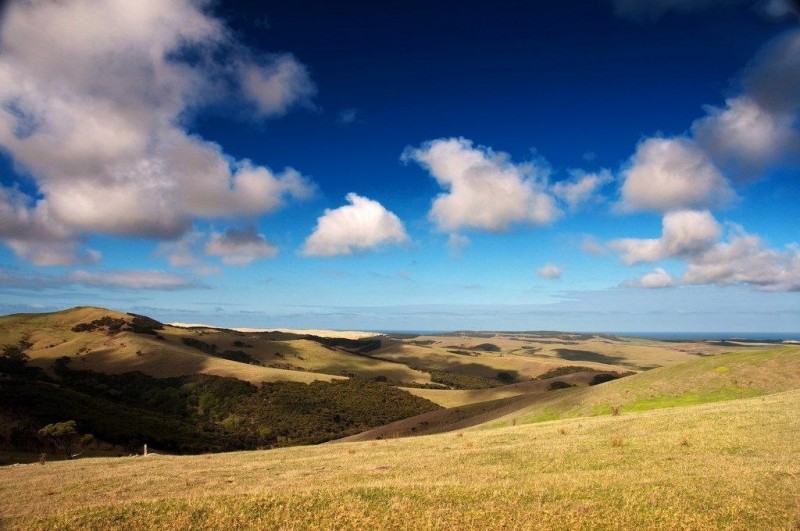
619	165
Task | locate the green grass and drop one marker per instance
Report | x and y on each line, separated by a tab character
729	465
690	398
743	375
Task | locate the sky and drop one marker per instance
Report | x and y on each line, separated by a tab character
610	165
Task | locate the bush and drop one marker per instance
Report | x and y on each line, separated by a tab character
603	377
62	436
558	384
240	356
506	377
202	346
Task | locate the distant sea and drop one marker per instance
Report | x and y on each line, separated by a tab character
669	336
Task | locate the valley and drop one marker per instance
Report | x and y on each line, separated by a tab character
584	429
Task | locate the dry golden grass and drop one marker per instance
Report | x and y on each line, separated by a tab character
741	471
457	398
523	355
315	357
529	358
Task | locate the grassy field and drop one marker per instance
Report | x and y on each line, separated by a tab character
731	465
710	379
702	435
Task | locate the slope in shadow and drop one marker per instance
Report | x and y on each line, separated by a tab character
588	355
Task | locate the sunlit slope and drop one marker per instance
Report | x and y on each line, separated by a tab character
293	359
730	465
51	337
462	397
528	355
470	408
708	379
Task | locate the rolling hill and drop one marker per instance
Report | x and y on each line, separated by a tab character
729	465
108	367
539	430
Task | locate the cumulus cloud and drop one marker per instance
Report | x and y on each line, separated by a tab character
240	246
550	271
658	278
745	139
695	239
360	226
92	98
684	233
484	189
758	129
745	259
672	174
772	79
277	85
135	280
583	188
751	134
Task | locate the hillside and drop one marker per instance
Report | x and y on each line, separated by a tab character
540	430
729	465
129	379
163	354
711	379
717	378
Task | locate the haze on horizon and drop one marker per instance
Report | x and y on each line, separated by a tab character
622	165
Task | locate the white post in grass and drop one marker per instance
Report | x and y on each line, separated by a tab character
145	450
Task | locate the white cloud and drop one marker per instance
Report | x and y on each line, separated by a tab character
672	174
92	99
695	238
751	134
550	271
53	253
744	259
360	226
240	247
278	85
745	139
157	280
684	233
759	129
484	189
773	77
658	278
583	188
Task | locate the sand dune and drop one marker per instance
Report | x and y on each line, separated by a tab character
345	334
